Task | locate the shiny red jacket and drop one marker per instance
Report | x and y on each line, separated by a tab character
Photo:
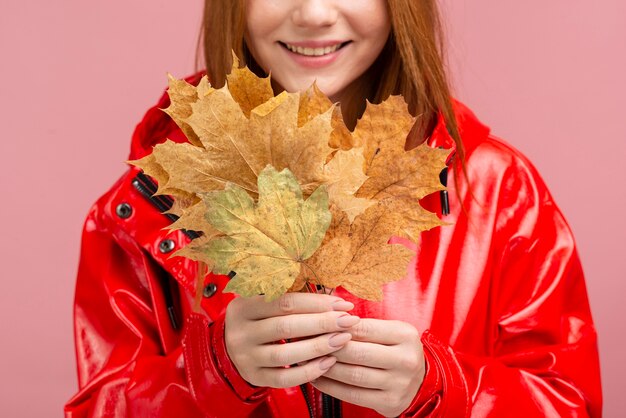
498	296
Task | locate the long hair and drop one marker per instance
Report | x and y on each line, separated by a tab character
411	63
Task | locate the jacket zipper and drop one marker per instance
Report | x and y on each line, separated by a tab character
305	393
331	407
443	194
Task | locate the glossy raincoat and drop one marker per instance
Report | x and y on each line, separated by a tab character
498	297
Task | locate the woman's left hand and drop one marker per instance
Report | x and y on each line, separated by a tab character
382	368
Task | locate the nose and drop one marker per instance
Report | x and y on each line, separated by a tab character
315	13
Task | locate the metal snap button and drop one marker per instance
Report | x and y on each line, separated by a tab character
166	246
209	290
124	210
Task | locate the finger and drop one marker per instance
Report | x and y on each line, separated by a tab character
257	308
384	331
360	376
369	354
365	397
302	325
295	376
277	355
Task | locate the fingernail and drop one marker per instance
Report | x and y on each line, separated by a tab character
327	363
342	305
347	321
340	339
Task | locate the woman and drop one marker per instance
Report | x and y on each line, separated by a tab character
493	319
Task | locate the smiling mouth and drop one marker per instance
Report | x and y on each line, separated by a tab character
314	52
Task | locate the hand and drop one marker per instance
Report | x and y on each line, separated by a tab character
382	368
318	321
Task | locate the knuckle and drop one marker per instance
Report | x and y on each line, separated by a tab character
286	303
408	333
410	362
362	330
320	346
278	357
311	371
357	376
282	379
283	328
324	324
360	355
355	396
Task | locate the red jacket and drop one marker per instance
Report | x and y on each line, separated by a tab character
498	296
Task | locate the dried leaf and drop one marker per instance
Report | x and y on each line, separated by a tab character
195	250
182	203
267	242
193	218
247	89
313	103
397	174
151	167
345	176
358	256
238	148
182	96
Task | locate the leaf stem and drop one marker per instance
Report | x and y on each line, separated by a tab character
317	281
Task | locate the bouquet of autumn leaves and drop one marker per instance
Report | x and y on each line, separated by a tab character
285	195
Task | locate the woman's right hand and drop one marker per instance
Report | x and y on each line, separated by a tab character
253	328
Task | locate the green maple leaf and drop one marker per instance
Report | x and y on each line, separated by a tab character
265	243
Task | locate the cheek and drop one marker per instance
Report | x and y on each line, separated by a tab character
263	18
375	23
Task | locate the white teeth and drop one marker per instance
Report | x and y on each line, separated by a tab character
312	52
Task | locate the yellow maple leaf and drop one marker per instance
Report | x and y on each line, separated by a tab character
265	243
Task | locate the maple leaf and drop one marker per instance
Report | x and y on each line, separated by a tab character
192	217
248	90
357	256
151	167
235	148
344	176
394	173
265	243
182	96
312	103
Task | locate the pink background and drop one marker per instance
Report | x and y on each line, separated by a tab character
77	76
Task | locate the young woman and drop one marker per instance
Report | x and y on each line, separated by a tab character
492	320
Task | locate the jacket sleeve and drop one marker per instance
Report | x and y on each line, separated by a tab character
543	359
126	366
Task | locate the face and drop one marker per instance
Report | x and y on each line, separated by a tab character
331	42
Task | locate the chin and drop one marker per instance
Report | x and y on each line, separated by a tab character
296	85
